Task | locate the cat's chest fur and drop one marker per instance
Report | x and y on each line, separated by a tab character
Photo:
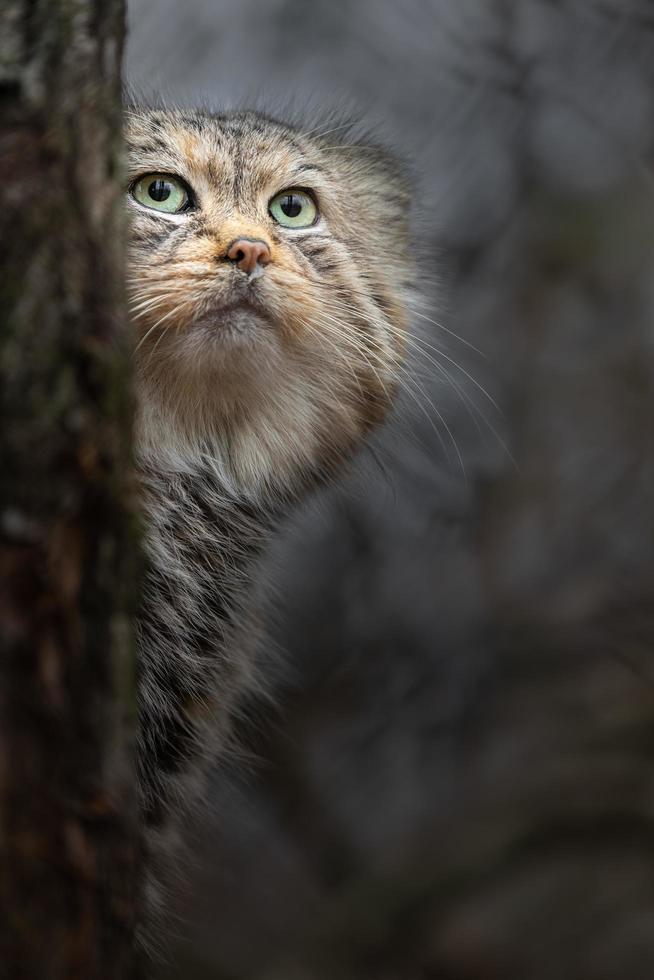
202	545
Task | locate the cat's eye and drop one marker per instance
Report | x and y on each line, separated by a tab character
294	209
162	193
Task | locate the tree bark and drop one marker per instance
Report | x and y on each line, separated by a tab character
68	847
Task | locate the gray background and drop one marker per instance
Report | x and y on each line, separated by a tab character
455	780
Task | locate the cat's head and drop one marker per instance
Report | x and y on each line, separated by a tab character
267	274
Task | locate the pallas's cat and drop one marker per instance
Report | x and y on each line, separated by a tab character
268	271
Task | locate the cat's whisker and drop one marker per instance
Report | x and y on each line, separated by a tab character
157	342
317	136
138	312
419	343
365	294
166	316
320	339
351	146
473	380
473	410
410	385
447	330
145	337
341	335
470	405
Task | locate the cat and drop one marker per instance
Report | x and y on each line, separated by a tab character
268	275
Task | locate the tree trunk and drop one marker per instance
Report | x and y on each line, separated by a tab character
67	694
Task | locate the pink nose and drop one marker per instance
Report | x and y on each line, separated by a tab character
247	253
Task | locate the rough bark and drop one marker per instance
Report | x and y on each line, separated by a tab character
68	854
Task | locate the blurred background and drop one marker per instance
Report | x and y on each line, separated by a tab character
456	781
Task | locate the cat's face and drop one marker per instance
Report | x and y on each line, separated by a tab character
267	273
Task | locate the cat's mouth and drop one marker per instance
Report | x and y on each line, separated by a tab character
233	319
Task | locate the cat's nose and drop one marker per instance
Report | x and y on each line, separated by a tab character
248	253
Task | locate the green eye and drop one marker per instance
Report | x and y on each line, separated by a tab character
293	209
161	192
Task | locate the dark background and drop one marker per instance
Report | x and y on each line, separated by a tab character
456	781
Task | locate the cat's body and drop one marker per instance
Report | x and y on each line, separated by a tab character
268	272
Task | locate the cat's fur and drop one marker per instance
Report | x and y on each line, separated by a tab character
250	391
